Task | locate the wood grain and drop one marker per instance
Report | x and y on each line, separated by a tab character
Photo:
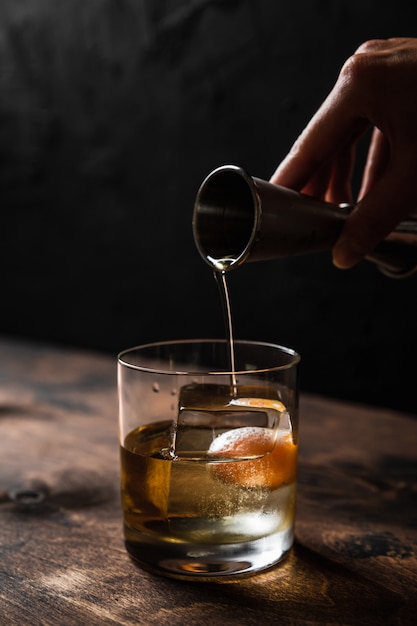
62	561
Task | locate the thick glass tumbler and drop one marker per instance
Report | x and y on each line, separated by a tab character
208	456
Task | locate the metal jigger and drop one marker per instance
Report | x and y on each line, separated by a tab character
238	218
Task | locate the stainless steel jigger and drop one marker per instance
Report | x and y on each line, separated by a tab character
238	218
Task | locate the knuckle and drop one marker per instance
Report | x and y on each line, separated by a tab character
357	68
371	45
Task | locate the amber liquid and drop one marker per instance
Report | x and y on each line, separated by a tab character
223	478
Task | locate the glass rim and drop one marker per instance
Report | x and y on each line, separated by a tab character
293	354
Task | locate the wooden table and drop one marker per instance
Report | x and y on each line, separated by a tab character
62	558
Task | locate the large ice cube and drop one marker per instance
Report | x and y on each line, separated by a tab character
208	410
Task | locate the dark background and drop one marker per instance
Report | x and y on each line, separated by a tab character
111	114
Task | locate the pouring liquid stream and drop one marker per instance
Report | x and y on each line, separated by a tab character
220	278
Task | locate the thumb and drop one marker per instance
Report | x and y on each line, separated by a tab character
392	199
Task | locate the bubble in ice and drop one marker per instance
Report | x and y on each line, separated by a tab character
155	387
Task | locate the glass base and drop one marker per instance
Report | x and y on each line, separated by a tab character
201	562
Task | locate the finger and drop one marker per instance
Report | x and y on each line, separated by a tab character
332	181
340	183
318	184
375	216
334	125
376	162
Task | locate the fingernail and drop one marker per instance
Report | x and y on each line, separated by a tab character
345	257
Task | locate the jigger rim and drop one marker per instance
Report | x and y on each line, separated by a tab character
240	257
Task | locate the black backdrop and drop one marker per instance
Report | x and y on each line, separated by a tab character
111	114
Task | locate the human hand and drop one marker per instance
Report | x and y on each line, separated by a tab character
376	88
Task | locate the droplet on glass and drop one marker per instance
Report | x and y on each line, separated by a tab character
155	387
